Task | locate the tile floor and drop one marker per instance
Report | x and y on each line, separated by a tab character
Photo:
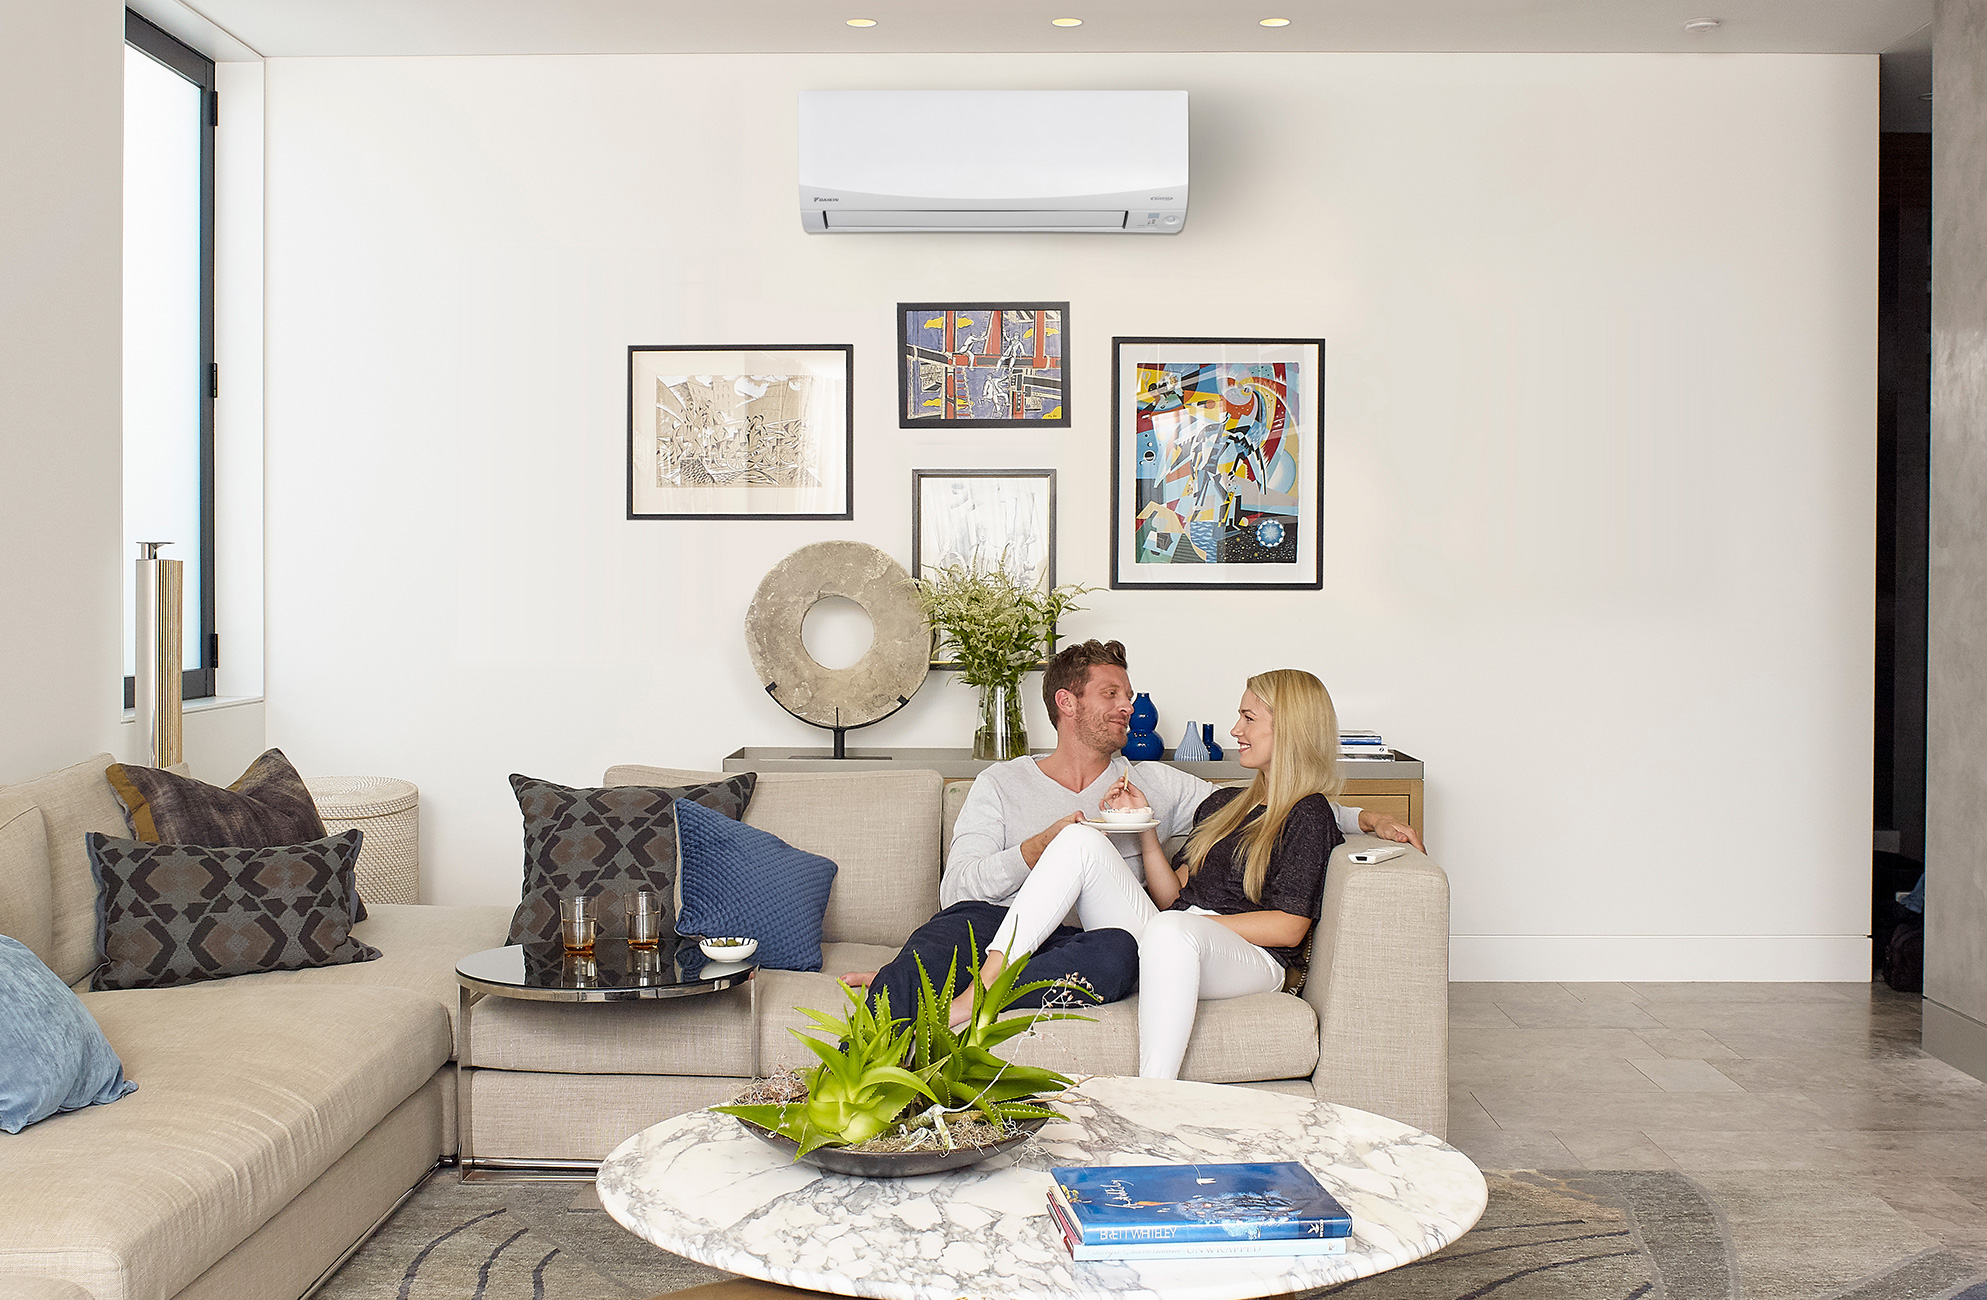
1825	1082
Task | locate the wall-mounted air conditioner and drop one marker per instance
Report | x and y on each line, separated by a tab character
1079	161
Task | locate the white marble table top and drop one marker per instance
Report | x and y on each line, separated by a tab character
698	1185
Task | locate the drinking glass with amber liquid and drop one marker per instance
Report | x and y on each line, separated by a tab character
644	919
579	922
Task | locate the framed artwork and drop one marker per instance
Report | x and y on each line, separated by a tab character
749	431
982	365
1217	473
985	517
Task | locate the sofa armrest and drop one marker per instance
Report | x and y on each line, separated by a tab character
1380	985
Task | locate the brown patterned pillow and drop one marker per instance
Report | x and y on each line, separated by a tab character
176	913
268	805
605	843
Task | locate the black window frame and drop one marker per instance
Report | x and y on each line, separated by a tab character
177	56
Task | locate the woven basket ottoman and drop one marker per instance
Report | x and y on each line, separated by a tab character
388	810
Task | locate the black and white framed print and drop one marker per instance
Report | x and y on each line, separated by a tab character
746	431
985	519
1217	471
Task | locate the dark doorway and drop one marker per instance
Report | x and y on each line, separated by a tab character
1904	377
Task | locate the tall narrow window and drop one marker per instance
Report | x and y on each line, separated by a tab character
169	377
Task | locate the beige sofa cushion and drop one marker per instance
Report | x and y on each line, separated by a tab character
73	802
1239	1040
19	1287
418	945
704	1035
26	900
879	828
245	1095
1265	1036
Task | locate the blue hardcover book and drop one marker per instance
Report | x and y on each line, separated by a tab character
1114	1204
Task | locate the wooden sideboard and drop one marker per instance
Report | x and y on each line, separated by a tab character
1391	786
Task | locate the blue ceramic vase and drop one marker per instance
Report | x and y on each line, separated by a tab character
1207	739
1143	742
1191	749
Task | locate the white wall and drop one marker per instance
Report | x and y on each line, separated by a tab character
61	490
1598	439
61	404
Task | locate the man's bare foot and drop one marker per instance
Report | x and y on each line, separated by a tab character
859	979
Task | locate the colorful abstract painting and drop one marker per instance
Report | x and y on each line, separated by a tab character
746	431
1217	467
982	365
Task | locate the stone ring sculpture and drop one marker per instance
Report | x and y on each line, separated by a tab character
872	688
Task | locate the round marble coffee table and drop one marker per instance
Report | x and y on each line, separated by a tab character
701	1187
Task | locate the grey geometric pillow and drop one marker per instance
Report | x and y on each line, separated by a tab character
605	843
176	913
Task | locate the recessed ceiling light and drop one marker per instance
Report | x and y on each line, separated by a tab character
1067	22
1698	26
862	22
1272	22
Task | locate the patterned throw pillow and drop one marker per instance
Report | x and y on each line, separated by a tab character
741	882
52	1054
176	913
269	805
605	843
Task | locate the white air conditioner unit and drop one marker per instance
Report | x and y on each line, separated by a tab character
1080	161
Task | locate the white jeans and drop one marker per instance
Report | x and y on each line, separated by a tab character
1183	957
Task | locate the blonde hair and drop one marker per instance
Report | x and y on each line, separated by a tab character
1303	761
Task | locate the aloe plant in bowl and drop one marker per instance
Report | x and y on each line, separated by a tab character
896	1097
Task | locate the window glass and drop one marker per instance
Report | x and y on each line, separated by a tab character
164	377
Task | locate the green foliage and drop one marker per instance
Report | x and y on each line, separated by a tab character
994	628
960	1063
862	1087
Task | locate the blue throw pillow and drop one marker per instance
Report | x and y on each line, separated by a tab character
52	1055
737	881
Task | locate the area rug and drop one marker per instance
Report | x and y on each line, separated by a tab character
1580	1235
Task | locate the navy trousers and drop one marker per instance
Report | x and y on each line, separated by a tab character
1108	959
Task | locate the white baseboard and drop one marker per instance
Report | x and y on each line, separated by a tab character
1820	958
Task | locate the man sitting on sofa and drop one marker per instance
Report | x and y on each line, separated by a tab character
1015	808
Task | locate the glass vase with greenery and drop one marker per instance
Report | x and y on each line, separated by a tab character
994	628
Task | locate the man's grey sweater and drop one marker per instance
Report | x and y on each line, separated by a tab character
1013	800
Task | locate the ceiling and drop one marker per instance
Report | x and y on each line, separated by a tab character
303	28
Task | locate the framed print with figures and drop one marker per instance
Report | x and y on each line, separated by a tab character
1217	473
982	365
748	431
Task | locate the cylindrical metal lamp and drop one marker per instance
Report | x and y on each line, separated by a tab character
157	682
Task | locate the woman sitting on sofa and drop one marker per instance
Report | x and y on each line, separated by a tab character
1230	915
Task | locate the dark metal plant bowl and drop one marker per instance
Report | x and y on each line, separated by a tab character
892	1164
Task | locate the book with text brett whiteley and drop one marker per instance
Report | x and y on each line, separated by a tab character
1198	1202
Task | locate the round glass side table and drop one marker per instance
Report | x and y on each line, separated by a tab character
614	972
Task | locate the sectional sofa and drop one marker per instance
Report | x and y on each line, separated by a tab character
280	1116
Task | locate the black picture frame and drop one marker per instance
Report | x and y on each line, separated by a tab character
921	477
910	355
1303	415
830	499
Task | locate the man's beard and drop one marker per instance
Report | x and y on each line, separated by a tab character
1103	733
